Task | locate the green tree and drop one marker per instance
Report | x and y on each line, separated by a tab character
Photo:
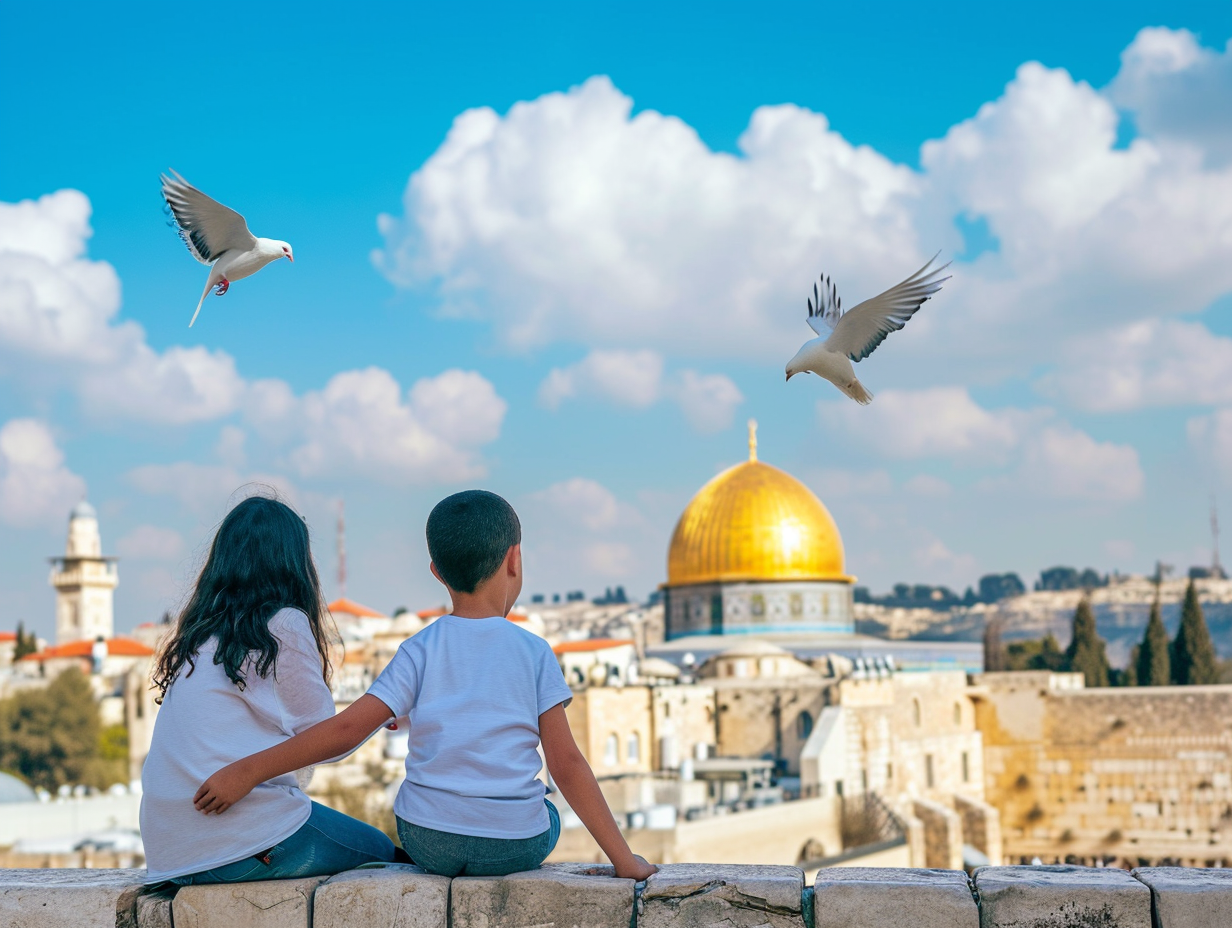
50	736
1042	654
1193	655
1154	664
1087	652
26	643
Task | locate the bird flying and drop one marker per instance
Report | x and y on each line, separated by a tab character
849	336
218	236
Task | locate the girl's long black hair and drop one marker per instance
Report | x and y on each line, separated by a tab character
259	562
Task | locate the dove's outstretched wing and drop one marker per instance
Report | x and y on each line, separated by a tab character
825	307
207	227
859	331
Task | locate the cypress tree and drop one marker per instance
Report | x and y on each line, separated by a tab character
1129	676
26	643
1154	662
994	651
1193	655
1086	653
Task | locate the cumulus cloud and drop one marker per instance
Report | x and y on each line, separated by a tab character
35	485
1173	86
1155	362
58	324
1066	463
151	543
636	379
360	424
207	490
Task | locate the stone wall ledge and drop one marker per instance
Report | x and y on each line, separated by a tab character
679	896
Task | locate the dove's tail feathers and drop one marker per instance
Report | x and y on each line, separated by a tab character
209	282
856	391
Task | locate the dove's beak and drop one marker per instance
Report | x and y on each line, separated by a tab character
291	258
789	373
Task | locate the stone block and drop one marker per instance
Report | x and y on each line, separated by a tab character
1189	898
153	909
68	898
267	904
872	897
1061	897
557	895
389	895
727	895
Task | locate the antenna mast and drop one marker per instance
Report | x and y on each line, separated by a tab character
342	570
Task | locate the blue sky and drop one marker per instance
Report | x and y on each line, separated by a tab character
591	298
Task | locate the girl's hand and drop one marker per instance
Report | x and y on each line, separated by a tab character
224	789
637	869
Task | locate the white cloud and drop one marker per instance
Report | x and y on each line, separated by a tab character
928	486
1063	462
360	425
1175	87
936	422
626	378
636	379
58	327
151	543
934	559
708	401
1155	362
208	490
581	501
35	485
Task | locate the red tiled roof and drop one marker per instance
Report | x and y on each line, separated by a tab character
590	644
350	607
8	636
432	613
116	647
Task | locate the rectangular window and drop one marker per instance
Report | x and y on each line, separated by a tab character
889	772
928	770
966	767
716	612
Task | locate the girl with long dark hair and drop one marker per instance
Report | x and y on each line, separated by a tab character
246	668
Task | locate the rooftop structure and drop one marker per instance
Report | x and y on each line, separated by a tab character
85	580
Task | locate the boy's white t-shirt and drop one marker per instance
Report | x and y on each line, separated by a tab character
474	690
207	722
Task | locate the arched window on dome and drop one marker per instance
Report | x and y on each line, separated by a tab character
611	750
804	725
915	712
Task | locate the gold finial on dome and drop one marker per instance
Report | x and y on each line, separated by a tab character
753	441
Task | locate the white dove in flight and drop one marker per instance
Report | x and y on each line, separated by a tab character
218	236
855	334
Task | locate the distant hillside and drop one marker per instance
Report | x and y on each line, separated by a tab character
1121	613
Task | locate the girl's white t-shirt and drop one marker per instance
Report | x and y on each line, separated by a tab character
207	722
474	690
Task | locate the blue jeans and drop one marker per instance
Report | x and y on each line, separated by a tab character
465	855
328	843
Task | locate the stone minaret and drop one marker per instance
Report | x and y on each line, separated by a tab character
85	581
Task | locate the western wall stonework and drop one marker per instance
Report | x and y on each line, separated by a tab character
679	896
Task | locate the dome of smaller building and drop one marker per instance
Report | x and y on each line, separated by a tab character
13	790
83	510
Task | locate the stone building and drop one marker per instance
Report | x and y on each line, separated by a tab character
85	580
1131	775
756	551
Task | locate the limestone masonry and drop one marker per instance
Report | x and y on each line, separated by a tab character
679	896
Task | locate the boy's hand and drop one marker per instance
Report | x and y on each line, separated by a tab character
637	869
224	789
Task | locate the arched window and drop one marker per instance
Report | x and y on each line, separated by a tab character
915	712
804	725
633	753
611	751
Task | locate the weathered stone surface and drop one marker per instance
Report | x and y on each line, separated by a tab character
1189	898
391	896
730	895
68	898
559	895
868	897
153	909
268	904
1061	897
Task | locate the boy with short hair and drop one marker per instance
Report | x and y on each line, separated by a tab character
481	695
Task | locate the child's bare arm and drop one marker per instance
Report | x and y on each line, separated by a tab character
577	783
333	737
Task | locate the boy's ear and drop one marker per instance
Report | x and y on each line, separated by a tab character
513	561
436	573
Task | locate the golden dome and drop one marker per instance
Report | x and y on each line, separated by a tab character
755	522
